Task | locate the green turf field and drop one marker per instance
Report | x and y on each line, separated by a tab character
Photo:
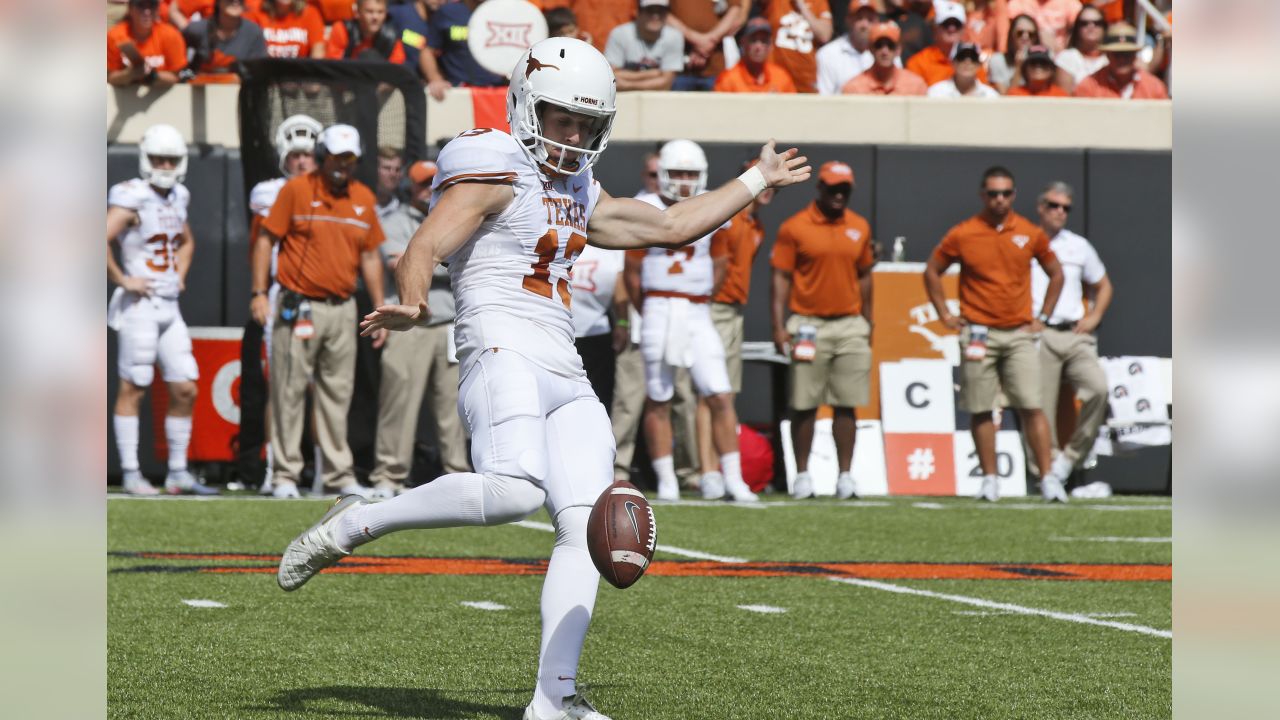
842	625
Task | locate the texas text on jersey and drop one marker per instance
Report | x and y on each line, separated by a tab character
523	253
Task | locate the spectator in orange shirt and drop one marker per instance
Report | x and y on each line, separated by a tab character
983	26
1121	79
1054	17
596	18
999	336
822	263
1038	73
366	37
143	51
754	72
933	63
334	11
292	29
704	26
184	12
885	77
221	39
802	26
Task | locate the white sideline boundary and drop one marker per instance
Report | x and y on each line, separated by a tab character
1006	607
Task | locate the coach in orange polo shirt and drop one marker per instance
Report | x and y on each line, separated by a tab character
998	335
327	227
822	263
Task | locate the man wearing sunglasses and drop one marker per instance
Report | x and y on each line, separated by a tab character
934	63
997	329
1068	347
1121	79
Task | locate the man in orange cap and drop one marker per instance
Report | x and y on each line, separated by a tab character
822	263
755	73
885	77
417	360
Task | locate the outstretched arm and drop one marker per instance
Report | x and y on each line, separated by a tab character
626	223
451	223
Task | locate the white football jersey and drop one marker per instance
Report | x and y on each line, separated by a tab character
687	270
511	278
149	247
263	195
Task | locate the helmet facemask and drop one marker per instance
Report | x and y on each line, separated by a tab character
162	141
539	145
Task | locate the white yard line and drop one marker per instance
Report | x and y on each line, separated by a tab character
661	548
203	603
764	609
484	605
1114	539
1006	607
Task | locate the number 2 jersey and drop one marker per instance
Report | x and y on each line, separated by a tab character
511	278
148	248
687	270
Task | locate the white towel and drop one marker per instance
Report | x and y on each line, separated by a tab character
677	351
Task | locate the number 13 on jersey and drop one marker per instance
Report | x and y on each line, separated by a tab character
540	281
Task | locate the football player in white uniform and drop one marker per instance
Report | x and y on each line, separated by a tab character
147	216
510	213
295	149
672	288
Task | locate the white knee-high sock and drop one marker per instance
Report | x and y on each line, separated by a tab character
665	469
568	599
177	432
731	468
126	427
452	500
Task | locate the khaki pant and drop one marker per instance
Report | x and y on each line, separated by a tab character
728	321
330	355
414	362
1065	355
840	373
628	409
1012	364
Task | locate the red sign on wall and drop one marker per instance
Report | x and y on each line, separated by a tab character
920	463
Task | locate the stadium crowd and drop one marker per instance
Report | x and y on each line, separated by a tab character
938	48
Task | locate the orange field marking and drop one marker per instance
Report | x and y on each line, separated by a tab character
680	568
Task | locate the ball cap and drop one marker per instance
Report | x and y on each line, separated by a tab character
422	171
755	25
886	30
1039	54
858	5
944	11
967	50
834	172
339	139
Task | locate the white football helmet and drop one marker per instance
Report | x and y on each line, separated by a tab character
570	74
162	141
297	133
681	155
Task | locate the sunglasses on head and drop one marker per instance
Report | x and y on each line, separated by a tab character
999	193
1064	207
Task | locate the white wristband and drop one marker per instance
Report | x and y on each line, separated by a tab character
754	180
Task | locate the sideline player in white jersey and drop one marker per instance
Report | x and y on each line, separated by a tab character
672	288
295	143
147	216
510	213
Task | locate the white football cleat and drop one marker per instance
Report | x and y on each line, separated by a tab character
712	486
739	491
1052	491
135	484
802	487
182	481
577	709
669	491
384	491
285	491
356	488
315	549
990	489
846	488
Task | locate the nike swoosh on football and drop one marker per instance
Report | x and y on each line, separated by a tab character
631	508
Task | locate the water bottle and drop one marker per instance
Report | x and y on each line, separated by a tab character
900	248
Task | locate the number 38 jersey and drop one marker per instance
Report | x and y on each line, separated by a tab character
149	247
511	278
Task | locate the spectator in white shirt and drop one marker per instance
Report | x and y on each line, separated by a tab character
1084	55
964	84
849	55
1068	347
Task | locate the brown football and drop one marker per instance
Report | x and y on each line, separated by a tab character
621	534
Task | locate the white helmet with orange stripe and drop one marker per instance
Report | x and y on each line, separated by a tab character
162	141
570	74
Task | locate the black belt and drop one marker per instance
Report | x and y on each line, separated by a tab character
328	299
1063	326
